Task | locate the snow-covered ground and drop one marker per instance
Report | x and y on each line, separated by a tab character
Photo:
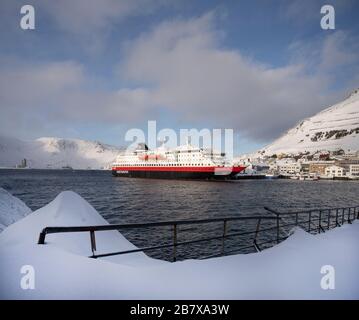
56	153
12	209
334	128
63	270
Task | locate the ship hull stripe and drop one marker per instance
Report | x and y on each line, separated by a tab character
173	175
203	173
181	169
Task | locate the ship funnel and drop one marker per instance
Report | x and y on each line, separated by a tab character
142	147
163	141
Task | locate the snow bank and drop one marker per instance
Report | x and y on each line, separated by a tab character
62	269
11	209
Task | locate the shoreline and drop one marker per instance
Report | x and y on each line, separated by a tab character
241	177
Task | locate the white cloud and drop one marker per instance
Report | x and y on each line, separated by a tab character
339	50
193	75
81	23
88	16
61	94
22	84
180	66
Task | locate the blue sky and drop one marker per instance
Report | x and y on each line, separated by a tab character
93	69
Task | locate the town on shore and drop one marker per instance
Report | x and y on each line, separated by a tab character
336	165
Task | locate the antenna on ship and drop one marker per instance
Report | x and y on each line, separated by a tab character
188	140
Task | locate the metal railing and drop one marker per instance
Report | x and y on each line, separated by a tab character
313	221
174	224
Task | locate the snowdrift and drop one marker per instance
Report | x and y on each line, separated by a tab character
12	209
290	270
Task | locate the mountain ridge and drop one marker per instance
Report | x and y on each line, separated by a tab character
334	128
57	153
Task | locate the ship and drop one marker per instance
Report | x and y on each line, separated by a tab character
182	162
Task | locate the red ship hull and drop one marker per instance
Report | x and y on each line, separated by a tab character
167	172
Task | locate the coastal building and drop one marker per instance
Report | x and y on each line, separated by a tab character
354	170
346	163
334	171
289	169
318	167
305	167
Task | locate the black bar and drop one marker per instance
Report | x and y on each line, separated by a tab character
48	230
224	234
301	211
171	245
174	242
349	220
256	235
93	242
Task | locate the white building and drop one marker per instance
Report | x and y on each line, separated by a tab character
334	171
354	169
289	169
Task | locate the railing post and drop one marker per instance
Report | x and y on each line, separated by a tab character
42	237
296	219
320	221
174	242
224	234
310	221
358	212
256	235
93	242
349	220
277	214
329	213
343	219
336	217
354	214
277	228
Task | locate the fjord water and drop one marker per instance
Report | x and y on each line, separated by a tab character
130	200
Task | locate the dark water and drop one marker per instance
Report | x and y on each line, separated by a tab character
126	200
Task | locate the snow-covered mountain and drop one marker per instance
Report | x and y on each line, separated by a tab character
334	128
56	153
